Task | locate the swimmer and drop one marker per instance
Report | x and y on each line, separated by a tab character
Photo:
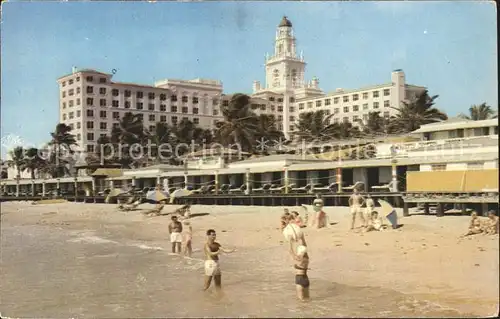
175	230
212	267
355	203
301	265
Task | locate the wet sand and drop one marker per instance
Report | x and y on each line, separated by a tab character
90	260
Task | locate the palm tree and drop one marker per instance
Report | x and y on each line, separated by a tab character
17	160
129	133
62	140
316	126
162	141
419	111
32	161
240	123
480	112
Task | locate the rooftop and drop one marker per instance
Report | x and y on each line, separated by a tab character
455	123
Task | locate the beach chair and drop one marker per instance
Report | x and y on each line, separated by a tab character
172	189
201	190
240	189
262	189
333	187
280	188
225	188
303	189
210	189
386	187
129	207
357	185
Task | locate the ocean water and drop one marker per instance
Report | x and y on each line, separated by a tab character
56	273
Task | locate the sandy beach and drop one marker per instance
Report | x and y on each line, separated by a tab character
91	260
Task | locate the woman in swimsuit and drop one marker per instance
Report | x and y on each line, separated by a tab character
301	266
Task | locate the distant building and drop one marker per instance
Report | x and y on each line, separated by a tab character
91	103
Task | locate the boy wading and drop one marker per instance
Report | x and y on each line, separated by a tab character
175	230
212	267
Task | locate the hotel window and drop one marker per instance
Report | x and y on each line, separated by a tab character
273	108
64	105
375	105
70	82
90	78
386	114
78	136
375	93
292	99
64	83
139	106
90	113
291	127
280	108
115	103
174	120
365	106
195	110
355	97
318	103
152	118
365	96
163	118
90	125
103	135
163	97
102	80
184	109
225	103
90	136
116	115
475	166
71	126
280	100
280	127
335	100
184	99
355	108
173	108
185	119
215	112
292	118
151	96
64	94
78	101
163	107
102	102
103	125
128	93
77	90
195	100
140	116
71	115
215	102
327	112
78	125
280	117
387	92
355	118
173	98
77	79
90	89
336	110
328	101
71	92
139	94
309	105
438	167
78	113
196	120
152	128
263	107
103	114
336	120
64	117
102	91
151	107
301	106
116	125
365	117
115	92
127	104
90	148
271	98
346	99
292	109
345	119
70	103
387	103
346	109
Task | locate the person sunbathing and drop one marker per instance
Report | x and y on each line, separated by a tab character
491	225
474	226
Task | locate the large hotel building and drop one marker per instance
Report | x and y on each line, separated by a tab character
91	103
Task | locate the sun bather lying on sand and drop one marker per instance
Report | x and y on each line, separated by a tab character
184	211
474	226
490	226
127	207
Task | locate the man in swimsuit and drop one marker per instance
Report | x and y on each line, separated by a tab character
355	203
301	265
175	230
188	237
212	269
474	226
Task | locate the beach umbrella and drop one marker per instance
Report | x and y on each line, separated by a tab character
388	212
114	192
179	193
156	196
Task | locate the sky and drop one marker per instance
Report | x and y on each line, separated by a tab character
449	47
